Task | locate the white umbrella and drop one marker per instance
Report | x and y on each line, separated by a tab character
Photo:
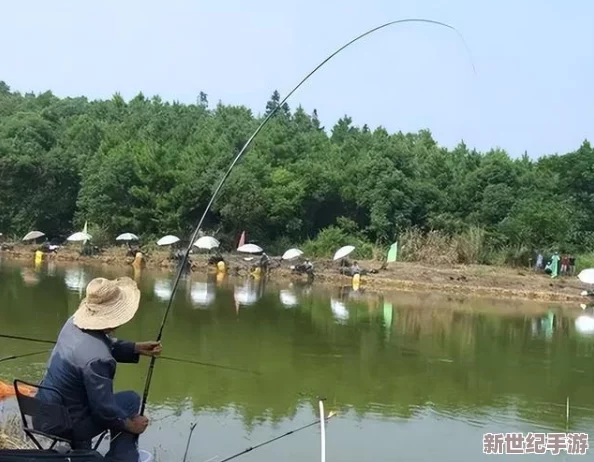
288	298
250	248
127	237
343	252
202	293
291	254
33	235
207	242
80	236
587	276
168	240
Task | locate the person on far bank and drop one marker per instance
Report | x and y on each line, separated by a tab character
82	367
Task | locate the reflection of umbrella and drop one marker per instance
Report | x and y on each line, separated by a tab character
127	237
168	240
202	293
33	235
340	310
291	254
206	242
288	298
245	295
80	236
250	248
584	324
163	289
587	276
75	280
343	252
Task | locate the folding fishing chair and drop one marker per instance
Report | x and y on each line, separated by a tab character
53	418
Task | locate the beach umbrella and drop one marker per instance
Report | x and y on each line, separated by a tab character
33	235
587	276
291	254
168	240
250	248
127	237
343	252
80	236
207	242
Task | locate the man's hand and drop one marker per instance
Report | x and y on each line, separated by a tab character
148	348
137	424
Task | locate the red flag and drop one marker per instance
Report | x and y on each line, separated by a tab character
241	240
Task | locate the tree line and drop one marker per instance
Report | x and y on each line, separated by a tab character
149	166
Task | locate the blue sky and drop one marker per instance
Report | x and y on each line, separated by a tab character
533	91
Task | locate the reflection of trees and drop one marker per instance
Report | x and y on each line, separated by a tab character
437	355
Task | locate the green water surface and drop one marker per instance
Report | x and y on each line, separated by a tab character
412	377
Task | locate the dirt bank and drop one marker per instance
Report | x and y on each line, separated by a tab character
461	279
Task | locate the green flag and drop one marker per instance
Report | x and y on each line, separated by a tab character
393	252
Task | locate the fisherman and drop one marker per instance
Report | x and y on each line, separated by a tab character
82	367
355	269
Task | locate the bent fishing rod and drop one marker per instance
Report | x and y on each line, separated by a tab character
167	358
251	448
240	155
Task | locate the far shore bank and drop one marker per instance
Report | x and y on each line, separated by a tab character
480	280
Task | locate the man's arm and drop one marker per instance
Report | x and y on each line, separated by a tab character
98	380
124	351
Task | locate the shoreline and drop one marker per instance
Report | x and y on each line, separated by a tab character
471	280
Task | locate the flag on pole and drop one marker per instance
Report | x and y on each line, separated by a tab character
393	252
241	240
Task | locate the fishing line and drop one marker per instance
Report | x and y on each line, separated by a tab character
8	358
219	366
241	153
29	339
167	358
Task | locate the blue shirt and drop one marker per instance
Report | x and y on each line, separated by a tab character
82	367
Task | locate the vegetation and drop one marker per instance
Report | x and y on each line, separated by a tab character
149	167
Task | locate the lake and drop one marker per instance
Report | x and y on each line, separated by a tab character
415	377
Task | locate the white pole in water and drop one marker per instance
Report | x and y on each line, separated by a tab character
323	430
567	416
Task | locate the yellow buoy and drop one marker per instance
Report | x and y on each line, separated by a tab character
38	257
356	281
138	262
221	266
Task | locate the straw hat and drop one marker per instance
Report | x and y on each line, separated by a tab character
108	304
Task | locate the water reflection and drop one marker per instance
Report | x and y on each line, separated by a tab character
340	311
248	293
163	289
409	364
288	298
75	279
202	294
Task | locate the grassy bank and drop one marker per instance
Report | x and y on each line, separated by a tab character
464	279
